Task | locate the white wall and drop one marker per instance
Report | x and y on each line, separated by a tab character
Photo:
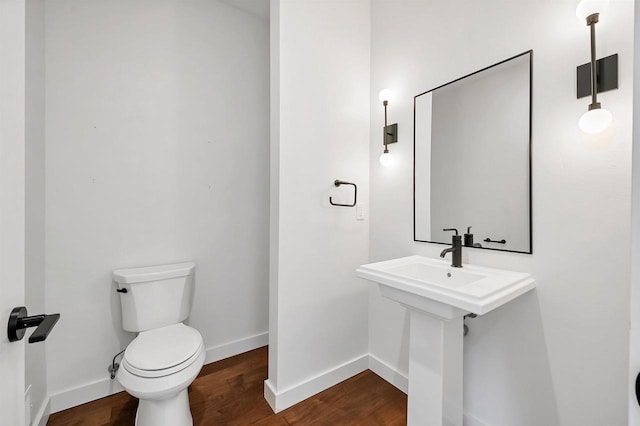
157	152
634	336
320	133
558	355
12	202
35	374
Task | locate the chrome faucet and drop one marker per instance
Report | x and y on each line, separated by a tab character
455	249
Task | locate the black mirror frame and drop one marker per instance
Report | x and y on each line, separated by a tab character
530	53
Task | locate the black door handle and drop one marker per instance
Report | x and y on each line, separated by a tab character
19	322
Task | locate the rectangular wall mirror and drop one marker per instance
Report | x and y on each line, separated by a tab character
472	158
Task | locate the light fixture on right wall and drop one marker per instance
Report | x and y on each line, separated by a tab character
390	132
598	75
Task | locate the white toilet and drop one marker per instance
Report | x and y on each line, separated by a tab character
164	359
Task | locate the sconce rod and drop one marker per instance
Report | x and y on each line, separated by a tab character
591	21
385	103
384	140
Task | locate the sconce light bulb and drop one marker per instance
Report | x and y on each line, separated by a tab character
386	159
589	7
385	95
595	121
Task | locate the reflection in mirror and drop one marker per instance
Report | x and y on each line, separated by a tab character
472	142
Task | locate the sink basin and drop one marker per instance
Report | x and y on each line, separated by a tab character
438	297
475	289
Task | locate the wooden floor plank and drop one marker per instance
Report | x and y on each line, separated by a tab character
230	392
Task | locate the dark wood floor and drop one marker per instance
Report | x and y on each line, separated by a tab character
229	392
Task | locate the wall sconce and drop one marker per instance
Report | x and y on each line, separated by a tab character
390	132
598	75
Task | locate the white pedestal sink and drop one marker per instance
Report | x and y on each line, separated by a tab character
438	297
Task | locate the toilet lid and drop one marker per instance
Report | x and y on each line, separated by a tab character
163	348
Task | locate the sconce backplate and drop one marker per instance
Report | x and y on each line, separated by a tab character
390	134
606	76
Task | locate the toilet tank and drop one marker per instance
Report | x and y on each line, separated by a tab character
156	296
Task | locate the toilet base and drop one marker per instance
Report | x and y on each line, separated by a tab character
174	411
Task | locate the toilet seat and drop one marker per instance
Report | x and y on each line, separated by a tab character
163	351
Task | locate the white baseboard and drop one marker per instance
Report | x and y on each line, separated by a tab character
388	373
226	350
277	400
105	387
280	400
401	381
83	394
270	395
42	417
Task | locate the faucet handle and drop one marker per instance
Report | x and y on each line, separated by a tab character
451	229
468	238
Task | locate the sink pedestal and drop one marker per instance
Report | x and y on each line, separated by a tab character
438	297
435	370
